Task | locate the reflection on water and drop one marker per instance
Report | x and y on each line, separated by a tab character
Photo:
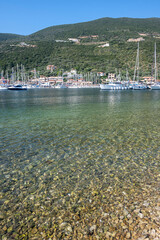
79	164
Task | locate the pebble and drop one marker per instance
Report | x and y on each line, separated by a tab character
92	229
63	224
10	229
153	233
137	210
108	234
140	215
120	205
1	216
69	229
146	204
125	212
128	235
4	238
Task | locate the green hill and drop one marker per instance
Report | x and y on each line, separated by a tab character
106	28
10	37
87	55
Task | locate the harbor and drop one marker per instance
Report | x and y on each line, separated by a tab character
19	79
111	82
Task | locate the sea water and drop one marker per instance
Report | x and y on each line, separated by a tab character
79	164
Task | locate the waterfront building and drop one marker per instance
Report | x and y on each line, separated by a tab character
101	74
111	76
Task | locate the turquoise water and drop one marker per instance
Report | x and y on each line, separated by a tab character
79	164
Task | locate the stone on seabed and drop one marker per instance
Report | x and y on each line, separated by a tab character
128	235
92	228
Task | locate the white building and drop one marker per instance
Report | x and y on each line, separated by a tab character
104	45
75	40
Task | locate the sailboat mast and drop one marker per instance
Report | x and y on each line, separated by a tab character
7	76
136	70
138	63
155	62
127	77
17	73
12	75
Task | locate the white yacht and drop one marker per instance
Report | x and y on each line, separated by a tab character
113	86
61	86
3	87
155	86
73	86
139	86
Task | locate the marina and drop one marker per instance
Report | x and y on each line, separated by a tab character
74	80
79	164
112	86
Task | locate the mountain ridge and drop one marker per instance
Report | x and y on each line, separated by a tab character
97	26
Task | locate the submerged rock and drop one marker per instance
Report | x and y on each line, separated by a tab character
92	229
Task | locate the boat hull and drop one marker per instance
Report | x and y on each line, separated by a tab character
17	89
139	87
3	88
155	87
112	86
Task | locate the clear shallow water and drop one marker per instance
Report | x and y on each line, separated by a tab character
79	164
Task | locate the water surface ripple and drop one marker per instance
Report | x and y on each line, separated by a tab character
79	164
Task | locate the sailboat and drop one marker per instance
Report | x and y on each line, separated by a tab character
137	85
156	85
17	87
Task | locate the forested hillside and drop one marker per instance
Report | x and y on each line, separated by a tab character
87	54
10	37
106	28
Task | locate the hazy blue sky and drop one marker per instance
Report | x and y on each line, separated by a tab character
28	16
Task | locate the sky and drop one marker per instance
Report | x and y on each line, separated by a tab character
28	16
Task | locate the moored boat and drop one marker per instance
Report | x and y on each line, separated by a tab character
3	88
61	86
155	86
139	87
113	86
17	87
